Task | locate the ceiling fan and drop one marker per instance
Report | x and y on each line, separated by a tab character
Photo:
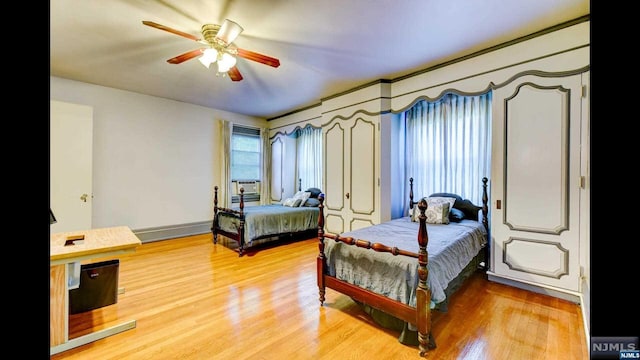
219	49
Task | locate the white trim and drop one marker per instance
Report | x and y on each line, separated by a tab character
584	324
85	339
565	294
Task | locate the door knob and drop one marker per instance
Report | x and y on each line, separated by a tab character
347	195
84	197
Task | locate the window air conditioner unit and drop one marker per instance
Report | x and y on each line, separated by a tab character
250	187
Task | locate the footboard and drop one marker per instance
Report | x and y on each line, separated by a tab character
236	214
421	315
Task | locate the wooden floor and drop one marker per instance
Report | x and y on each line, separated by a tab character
196	300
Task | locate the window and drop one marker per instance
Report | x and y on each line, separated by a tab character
246	158
448	145
309	156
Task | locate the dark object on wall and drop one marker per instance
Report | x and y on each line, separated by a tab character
98	287
52	218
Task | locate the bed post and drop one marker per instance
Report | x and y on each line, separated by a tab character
215	214
485	207
423	294
320	261
241	226
411	194
485	221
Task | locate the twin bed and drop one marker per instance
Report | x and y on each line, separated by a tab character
403	280
254	225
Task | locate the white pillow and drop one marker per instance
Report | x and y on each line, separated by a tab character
289	202
437	213
303	196
433	201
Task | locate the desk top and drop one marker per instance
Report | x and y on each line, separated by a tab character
97	242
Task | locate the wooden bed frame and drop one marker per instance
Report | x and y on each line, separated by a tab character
421	314
240	214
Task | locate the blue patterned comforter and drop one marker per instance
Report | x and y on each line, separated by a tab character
270	220
451	247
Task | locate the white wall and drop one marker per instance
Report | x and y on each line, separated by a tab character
155	161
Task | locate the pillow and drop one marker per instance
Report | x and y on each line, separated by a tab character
468	208
292	202
302	196
414	213
456	215
432	201
312	202
438	213
314	192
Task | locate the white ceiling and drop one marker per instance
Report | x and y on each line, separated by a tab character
324	47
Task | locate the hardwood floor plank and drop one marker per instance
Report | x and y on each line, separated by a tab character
193	299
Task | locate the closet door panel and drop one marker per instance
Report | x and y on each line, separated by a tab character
351	173
535	220
334	179
536	143
362	149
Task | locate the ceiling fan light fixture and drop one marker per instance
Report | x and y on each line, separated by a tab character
229	31
225	62
208	56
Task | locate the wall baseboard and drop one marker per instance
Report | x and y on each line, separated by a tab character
172	231
535	288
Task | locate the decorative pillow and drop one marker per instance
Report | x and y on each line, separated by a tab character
302	196
468	208
312	202
437	213
292	202
456	215
314	192
415	212
432	201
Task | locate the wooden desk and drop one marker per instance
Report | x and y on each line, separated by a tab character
64	265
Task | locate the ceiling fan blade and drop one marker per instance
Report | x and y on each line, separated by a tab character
254	56
173	31
234	74
184	57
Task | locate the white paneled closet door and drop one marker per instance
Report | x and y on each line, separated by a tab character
351	172
537	181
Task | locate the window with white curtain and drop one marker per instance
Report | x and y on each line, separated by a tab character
246	158
448	145
309	156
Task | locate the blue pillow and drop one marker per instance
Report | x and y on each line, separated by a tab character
312	202
314	192
456	215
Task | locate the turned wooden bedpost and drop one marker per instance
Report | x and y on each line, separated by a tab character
320	261
485	221
215	214
411	193
485	207
423	293
241	225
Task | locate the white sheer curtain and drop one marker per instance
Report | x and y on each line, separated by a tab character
309	157
265	181
224	189
448	146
